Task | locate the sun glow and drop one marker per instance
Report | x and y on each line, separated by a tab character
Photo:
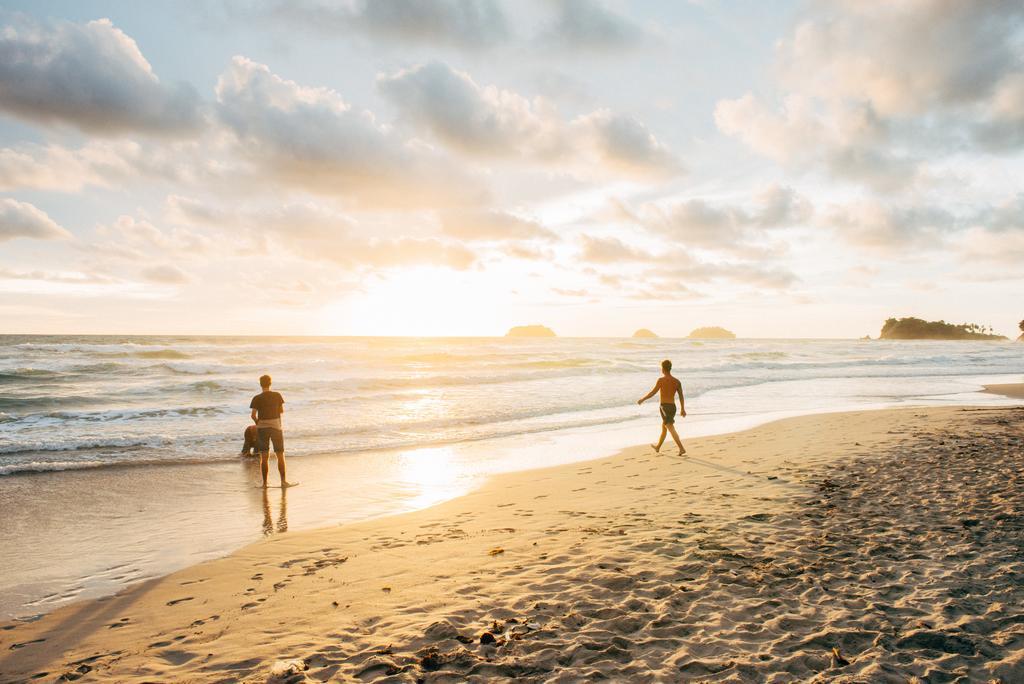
422	302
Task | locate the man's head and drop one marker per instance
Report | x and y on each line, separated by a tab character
265	382
666	366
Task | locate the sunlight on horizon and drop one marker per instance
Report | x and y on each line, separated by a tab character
421	302
552	163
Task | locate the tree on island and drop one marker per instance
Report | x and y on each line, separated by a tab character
911	328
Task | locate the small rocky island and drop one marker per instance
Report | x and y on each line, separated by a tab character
911	328
1021	326
711	333
644	333
530	331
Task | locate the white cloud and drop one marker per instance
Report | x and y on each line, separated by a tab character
462	23
873	91
91	76
311	139
675	266
164	274
726	227
490	225
98	163
905	58
21	219
315	232
590	25
891	230
489	122
131	232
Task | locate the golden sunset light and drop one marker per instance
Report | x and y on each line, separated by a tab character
489	340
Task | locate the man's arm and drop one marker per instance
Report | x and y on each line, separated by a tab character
682	400
650	394
253	414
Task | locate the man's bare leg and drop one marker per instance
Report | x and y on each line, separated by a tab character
675	436
280	468
264	465
661	440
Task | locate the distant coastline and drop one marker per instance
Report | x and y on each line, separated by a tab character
911	328
530	331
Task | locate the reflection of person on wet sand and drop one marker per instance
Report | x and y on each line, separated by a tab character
668	386
282	513
267	407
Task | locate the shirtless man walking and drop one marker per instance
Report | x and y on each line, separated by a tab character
669	386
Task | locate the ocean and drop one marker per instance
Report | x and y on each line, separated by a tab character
104	439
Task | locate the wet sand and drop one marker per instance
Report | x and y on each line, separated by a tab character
872	546
1014	391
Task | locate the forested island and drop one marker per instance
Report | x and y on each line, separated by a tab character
530	331
645	334
711	333
917	329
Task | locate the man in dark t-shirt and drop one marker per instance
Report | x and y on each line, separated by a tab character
267	407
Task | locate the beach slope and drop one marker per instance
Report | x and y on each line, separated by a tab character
866	546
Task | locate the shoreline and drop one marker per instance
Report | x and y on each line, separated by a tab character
354	564
211	509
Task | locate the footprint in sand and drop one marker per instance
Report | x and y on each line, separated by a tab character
15	647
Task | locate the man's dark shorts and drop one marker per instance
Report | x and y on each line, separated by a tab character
268	435
668	414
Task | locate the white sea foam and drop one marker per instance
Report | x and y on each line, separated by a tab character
115	400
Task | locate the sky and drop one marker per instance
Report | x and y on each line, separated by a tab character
459	167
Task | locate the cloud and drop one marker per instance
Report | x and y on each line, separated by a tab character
723	226
589	25
979	245
314	232
470	24
98	163
905	58
609	250
164	274
70	278
91	76
21	219
872	91
130	232
845	141
311	139
626	144
876	226
490	225
491	123
676	266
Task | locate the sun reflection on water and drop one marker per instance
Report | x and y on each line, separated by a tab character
431	475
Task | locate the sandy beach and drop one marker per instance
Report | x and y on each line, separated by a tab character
869	546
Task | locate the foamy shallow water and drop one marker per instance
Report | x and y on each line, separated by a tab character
118	455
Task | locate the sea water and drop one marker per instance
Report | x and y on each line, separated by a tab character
119	455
